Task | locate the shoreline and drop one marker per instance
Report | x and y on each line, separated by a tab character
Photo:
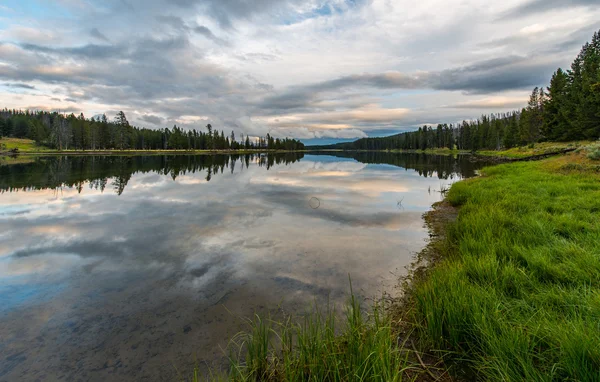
486	265
535	152
495	255
149	152
402	311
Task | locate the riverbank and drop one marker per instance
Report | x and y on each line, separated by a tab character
152	152
29	147
507	290
441	151
515	292
537	151
533	152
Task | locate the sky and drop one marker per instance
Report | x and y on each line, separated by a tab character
318	70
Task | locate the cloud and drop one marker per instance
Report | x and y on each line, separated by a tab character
153	119
493	75
86	51
28	34
20	86
573	40
491	103
369	113
289	67
95	33
534	7
204	31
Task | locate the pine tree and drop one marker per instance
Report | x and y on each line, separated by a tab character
122	126
588	111
556	124
2	127
511	137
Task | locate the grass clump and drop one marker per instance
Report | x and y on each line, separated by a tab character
593	151
321	347
518	296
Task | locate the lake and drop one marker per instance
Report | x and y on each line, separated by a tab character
121	268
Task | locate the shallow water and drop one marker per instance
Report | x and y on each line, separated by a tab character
128	268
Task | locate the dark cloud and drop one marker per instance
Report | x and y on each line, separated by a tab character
575	39
86	51
224	12
95	33
178	24
153	119
534	7
204	31
21	86
149	67
174	22
391	80
127	5
489	76
294	99
496	75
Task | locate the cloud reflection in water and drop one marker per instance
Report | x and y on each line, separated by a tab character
103	276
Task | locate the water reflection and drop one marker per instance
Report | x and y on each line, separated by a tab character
74	171
440	166
156	273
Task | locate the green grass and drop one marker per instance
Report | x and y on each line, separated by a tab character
321	347
517	296
513	153
533	150
23	145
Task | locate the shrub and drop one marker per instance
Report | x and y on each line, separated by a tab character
593	152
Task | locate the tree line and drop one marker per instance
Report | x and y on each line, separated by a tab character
442	167
71	132
100	172
567	110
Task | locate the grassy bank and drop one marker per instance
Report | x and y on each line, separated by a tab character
29	147
517	294
23	145
440	151
521	152
535	150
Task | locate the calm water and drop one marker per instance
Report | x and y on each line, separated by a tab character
117	268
